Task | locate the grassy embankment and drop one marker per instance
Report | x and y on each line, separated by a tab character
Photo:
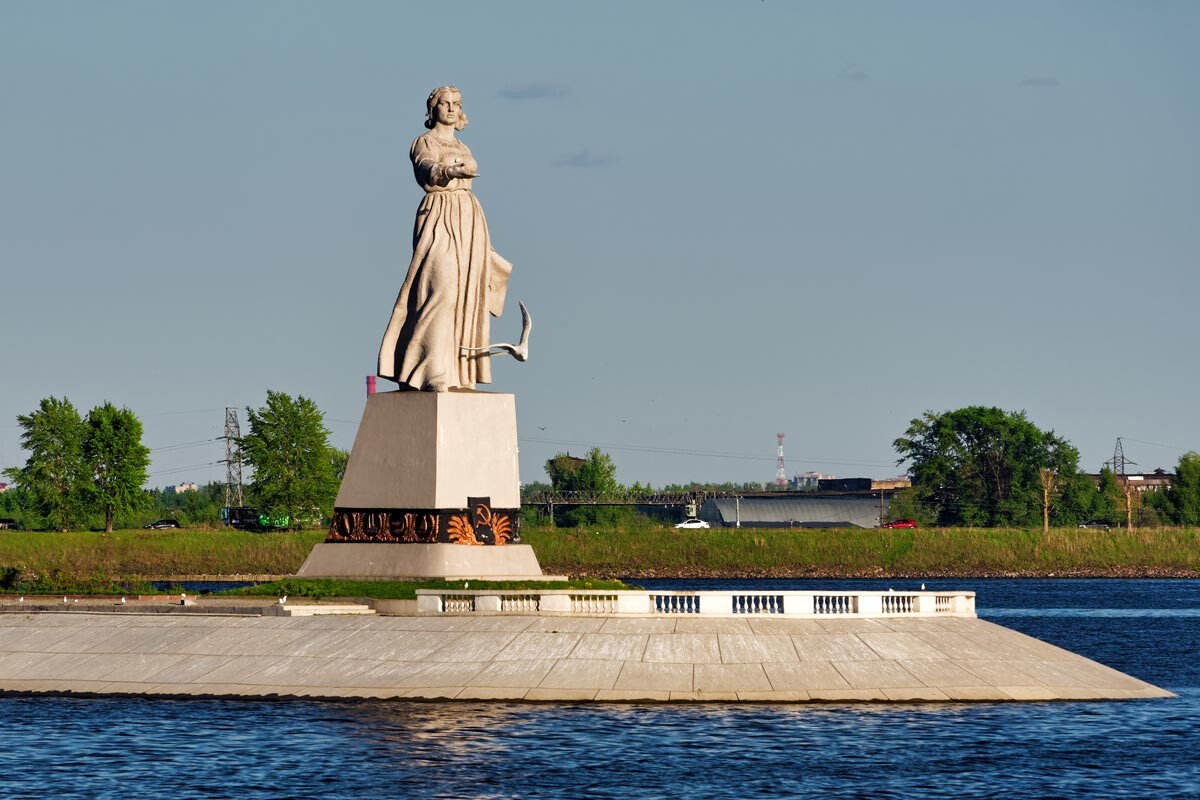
124	562
95	562
641	551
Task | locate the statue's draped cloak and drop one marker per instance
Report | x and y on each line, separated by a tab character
455	281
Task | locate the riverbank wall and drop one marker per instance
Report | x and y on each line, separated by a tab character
555	658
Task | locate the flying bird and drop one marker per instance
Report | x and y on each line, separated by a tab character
520	350
283	600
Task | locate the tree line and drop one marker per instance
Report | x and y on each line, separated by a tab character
972	467
82	470
977	466
984	467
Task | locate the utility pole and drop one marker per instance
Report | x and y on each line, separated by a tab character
780	470
1119	461
1128	507
233	460
1048	478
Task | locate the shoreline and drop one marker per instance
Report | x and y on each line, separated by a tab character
785	573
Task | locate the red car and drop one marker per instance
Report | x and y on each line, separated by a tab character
900	523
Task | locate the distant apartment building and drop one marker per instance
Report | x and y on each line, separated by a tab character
180	488
863	484
810	480
1141	482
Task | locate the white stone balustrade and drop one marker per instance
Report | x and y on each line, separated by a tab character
799	604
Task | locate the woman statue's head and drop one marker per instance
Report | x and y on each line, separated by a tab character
445	106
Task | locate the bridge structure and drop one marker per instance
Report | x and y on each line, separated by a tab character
547	500
624	498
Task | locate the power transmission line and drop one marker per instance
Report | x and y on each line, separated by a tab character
233	460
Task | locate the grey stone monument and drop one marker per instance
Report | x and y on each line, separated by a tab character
431	489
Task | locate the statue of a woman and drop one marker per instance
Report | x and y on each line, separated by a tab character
438	336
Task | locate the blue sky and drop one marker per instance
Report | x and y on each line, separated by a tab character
727	219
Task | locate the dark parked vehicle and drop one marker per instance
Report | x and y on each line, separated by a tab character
163	524
900	523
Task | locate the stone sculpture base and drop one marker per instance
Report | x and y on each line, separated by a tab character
370	561
431	491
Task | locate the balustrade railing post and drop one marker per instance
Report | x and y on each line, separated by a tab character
925	605
555	603
634	603
716	603
870	604
429	604
488	603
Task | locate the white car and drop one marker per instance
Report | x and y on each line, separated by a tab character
692	523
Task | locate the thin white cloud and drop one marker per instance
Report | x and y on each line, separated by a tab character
853	72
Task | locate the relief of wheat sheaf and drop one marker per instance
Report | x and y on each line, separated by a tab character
460	530
404	527
427	527
502	528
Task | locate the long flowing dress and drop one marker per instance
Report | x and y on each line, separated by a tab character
454	282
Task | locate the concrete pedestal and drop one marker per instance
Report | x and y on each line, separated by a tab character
371	561
431	491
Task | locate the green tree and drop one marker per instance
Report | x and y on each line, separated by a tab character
55	474
288	447
116	460
594	473
1180	503
338	460
983	466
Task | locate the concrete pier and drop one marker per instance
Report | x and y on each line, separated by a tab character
546	658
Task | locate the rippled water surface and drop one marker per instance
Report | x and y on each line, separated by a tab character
73	748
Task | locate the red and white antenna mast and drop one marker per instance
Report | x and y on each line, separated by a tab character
780	470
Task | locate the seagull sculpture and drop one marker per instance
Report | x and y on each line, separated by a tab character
520	350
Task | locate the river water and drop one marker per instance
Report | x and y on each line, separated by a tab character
117	748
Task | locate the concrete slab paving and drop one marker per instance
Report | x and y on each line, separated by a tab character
611	646
786	626
940	672
730	678
807	676
566	624
514	674
638	625
475	646
833	647
631	696
654	677
21	664
877	675
576	673
683	648
899	646
562	695
712	625
740	648
539	645
553	659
